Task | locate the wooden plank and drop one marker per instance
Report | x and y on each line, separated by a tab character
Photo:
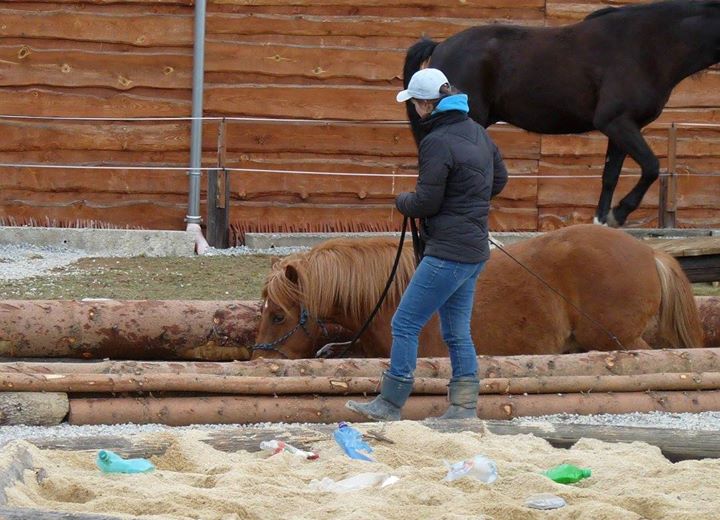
72	66
77	212
686	246
385	3
356	139
316	62
23	513
95	103
332	27
702	268
481	12
138	29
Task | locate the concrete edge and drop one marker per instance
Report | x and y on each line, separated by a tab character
104	242
272	240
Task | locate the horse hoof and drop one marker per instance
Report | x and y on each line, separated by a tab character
612	221
599	222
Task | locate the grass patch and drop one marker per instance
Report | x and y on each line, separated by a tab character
140	278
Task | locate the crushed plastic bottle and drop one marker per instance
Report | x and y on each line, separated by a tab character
276	447
350	440
360	481
479	467
567	473
545	501
110	462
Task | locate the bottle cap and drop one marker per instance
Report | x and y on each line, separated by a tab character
586	472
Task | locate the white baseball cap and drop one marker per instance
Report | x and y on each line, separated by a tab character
424	84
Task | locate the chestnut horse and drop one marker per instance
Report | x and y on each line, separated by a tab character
613	72
619	287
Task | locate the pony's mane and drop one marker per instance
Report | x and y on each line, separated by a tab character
346	275
653	6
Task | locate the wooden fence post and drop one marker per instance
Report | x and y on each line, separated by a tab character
667	207
218	197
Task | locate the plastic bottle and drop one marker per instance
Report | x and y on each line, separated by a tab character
545	501
110	462
356	483
479	467
276	446
567	473
350	440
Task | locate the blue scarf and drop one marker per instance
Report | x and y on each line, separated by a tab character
455	102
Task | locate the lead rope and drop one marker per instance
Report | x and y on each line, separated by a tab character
346	345
583	313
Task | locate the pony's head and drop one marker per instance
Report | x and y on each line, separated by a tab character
338	282
286	330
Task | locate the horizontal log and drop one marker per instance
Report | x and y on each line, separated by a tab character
144	30
139	329
77	212
198	329
180	411
252	385
230	24
531	366
95	103
33	408
43	64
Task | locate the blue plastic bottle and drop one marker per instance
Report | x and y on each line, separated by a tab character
350	440
110	462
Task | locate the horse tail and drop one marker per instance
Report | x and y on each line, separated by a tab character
679	323
416	55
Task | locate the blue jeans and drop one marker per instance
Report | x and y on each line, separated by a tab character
447	287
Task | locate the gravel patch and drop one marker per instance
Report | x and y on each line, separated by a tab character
25	260
703	421
243	250
67	431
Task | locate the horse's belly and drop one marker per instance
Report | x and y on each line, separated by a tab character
548	122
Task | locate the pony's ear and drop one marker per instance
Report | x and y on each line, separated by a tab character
274	260
291	274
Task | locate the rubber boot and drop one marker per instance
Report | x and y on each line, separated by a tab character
394	391
463	394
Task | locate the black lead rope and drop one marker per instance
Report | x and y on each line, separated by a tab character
339	349
595	322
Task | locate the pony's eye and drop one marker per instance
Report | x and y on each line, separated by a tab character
277	318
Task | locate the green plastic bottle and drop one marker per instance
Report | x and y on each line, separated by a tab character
567	473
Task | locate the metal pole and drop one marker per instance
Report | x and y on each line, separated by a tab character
193	213
671	202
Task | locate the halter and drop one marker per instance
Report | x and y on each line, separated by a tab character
302	322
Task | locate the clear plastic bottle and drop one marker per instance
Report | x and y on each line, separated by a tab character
479	467
352	443
275	446
110	462
567	473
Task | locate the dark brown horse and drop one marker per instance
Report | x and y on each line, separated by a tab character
612	72
622	286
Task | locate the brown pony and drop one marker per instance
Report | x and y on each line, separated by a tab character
619	287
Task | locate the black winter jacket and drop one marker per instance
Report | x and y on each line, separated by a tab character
460	170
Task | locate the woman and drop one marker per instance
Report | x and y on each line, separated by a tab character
460	170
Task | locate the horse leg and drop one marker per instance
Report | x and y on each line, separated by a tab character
626	135
614	159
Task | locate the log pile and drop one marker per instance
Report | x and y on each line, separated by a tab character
315	390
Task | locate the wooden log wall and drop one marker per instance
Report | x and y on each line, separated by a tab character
326	59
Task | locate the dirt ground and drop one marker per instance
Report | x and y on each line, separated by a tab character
192	278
